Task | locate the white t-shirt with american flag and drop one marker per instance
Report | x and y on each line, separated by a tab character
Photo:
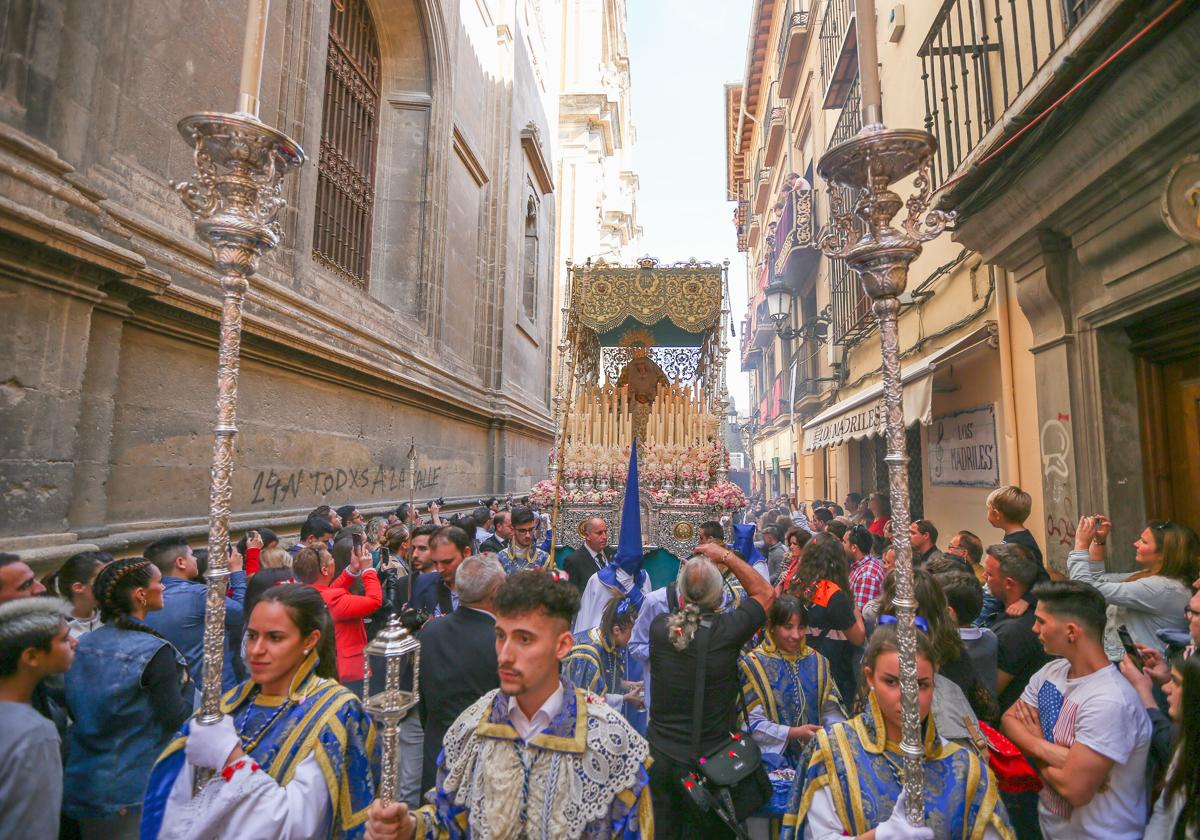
1102	712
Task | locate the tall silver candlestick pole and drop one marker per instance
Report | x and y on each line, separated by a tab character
235	197
412	477
867	165
392	688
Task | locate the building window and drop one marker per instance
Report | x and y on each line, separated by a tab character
529	277
349	136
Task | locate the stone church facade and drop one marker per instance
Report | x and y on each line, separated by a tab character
411	295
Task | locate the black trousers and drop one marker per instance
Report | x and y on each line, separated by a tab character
675	815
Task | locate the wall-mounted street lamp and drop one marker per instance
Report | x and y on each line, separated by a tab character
780	300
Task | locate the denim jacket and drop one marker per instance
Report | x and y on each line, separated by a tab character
116	733
181	622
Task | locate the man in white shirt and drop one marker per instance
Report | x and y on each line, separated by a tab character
537	758
1082	724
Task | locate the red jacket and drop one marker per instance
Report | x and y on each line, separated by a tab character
252	560
348	611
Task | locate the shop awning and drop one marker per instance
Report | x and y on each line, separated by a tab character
862	415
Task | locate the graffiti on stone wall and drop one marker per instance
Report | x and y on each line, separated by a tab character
276	487
1058	483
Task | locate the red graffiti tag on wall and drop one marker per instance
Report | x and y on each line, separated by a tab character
1061	529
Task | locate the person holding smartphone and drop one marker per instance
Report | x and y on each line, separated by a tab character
315	566
1154	597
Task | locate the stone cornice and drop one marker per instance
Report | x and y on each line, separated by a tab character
1087	168
531	143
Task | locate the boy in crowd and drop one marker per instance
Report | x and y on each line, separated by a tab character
1007	509
964	596
35	643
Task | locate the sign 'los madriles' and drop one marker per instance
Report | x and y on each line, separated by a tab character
962	448
866	421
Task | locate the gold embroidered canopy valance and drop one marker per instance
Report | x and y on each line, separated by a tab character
688	294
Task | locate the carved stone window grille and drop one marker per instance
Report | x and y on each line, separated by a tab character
349	138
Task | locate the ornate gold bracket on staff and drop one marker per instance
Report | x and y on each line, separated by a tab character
235	198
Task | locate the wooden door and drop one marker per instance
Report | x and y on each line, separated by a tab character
1169	393
1181	381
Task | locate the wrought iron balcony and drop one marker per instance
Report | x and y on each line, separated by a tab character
850	121
794	33
741	223
776	120
850	306
796	255
807	384
977	58
762	184
772	402
751	355
839	51
853	319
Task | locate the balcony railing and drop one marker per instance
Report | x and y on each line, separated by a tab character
847	315
977	58
806	372
751	354
852	316
772	402
850	121
839	51
796	253
775	118
793	40
741	223
762	183
850	306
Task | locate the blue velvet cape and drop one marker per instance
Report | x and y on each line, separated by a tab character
325	720
792	690
861	769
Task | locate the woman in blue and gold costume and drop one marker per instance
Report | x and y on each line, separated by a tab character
295	752
789	690
852	786
603	666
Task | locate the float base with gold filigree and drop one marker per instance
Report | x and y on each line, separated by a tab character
643	360
673	527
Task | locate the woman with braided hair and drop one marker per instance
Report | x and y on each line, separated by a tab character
679	736
127	692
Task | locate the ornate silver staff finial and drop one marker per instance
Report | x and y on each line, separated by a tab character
235	198
395	655
867	165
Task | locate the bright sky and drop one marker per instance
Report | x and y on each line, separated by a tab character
681	55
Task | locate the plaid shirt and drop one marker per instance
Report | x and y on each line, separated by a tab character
866	580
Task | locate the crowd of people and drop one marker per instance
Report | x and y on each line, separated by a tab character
565	695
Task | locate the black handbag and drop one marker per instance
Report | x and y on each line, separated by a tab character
730	780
